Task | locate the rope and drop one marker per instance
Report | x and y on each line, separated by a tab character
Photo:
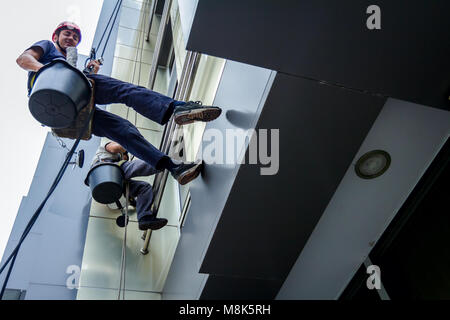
141	44
140	47
112	27
60	174
124	246
33	219
93	51
60	141
122	288
107	25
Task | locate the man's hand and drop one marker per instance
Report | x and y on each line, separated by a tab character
114	147
95	64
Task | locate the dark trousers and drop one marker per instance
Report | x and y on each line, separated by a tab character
140	190
150	104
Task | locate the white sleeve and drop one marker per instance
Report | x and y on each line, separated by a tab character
104	142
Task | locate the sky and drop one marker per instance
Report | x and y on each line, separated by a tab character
23	23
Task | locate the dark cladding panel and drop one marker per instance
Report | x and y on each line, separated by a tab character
268	219
230	288
329	40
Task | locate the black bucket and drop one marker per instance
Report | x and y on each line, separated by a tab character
106	182
59	92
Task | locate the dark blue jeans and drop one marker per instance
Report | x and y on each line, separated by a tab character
140	190
150	104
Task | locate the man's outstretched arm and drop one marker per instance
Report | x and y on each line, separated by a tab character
29	59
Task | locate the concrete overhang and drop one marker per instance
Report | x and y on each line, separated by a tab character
329	40
268	219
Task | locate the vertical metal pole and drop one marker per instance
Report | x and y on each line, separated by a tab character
157	52
165	145
152	13
192	71
186	67
190	68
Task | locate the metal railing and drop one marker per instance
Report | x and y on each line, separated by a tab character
171	131
159	41
150	20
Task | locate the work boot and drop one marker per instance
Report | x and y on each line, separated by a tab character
150	222
194	111
186	172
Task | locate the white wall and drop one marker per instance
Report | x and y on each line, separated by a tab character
360	210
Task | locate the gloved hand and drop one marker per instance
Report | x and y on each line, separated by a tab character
94	66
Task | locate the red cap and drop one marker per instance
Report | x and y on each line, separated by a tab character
70	26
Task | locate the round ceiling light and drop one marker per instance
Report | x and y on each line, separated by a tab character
372	164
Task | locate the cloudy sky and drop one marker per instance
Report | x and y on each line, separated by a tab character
22	23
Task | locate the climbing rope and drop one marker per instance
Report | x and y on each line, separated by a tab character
93	53
33	219
60	141
122	286
118	4
140	47
124	245
12	257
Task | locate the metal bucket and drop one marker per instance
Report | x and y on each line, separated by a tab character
59	92
106	182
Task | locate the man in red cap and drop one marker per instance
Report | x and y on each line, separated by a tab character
68	29
148	103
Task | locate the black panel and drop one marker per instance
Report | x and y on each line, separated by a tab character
166	45
413	253
328	40
268	219
159	6
228	288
